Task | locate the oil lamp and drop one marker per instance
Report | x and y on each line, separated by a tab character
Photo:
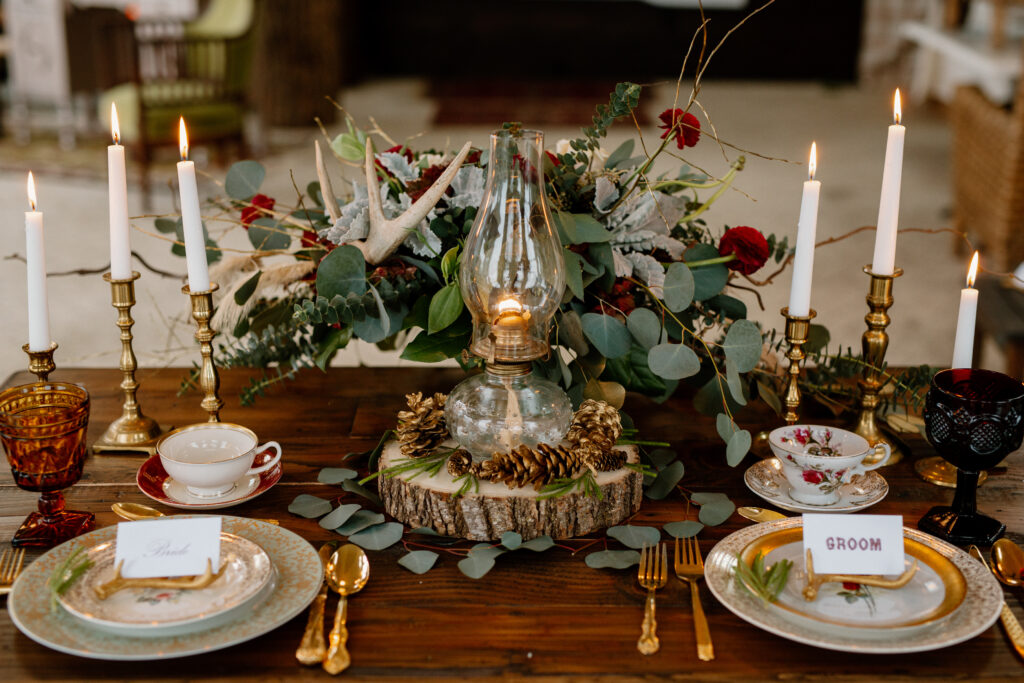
512	278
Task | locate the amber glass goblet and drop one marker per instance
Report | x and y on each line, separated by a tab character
974	419
42	426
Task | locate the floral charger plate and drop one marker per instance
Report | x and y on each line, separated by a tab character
952	598
298	577
246	580
766	480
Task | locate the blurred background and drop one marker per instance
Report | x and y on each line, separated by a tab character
442	72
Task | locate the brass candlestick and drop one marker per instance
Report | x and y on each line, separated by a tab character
133	431
202	311
40	363
874	344
797	329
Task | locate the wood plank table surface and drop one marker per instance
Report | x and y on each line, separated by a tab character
543	614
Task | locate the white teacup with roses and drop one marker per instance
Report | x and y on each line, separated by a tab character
818	460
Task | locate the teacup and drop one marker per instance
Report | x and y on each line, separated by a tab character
818	460
208	458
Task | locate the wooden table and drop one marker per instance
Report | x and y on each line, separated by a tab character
539	615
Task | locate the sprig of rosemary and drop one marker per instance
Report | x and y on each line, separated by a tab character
585	483
66	573
765	583
428	464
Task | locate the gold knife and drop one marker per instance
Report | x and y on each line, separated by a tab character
1013	628
759	514
313	649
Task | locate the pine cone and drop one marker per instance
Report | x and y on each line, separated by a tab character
606	461
459	463
535	467
422	428
595	424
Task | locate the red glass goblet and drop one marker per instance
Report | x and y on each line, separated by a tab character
42	426
974	419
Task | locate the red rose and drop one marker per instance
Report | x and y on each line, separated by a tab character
851	586
683	125
252	212
417	187
554	159
813	477
749	245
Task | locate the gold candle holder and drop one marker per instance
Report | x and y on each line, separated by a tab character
797	329
209	382
874	344
133	431
40	363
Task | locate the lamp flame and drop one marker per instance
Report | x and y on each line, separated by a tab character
812	166
31	191
509	305
115	126
972	272
182	139
897	110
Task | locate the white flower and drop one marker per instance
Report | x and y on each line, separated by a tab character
432	160
562	147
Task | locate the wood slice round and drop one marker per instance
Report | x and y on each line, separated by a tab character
486	514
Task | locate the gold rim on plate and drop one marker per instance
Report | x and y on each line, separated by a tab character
952	578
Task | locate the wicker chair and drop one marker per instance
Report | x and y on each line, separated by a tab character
988	175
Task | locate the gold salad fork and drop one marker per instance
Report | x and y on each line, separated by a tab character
10	566
689	566
652	575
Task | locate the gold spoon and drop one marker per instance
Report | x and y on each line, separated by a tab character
759	514
1008	562
1014	631
347	572
136	511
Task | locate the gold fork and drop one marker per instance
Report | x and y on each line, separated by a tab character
10	566
652	575
689	567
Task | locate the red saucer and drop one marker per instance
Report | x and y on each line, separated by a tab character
153	481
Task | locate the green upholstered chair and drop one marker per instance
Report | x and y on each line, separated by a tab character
199	70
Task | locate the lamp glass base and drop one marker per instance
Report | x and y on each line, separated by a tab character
961	529
47	531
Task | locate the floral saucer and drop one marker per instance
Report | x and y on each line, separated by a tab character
766	480
154	481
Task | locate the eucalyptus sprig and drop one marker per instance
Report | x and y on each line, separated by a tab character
756	579
66	573
428	464
585	483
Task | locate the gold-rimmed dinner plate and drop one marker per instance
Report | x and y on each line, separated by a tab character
246	579
940	626
936	590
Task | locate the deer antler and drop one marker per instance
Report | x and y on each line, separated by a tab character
330	201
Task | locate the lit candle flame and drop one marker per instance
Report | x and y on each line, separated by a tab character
115	126
813	165
182	139
972	272
31	191
897	110
509	305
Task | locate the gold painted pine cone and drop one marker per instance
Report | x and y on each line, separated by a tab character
422	428
530	467
459	463
595	423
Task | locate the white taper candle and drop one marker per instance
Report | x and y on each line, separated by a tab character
884	259
963	346
192	222
807	228
117	193
35	262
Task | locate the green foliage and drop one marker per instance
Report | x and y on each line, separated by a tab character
765	583
244	179
66	573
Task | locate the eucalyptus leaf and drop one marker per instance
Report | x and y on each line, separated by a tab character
769	396
335	475
715	508
539	544
662	457
378	537
679	287
511	540
359	520
707	280
742	345
570	332
244	179
621	153
352	486
574	273
738	447
606	333
479	561
305	505
266	234
418	561
665	482
635	536
339	516
724	426
734	382
645	326
589	230
684	529
612	559
341	272
673	361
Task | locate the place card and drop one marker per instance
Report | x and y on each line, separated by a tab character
855	544
168	547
